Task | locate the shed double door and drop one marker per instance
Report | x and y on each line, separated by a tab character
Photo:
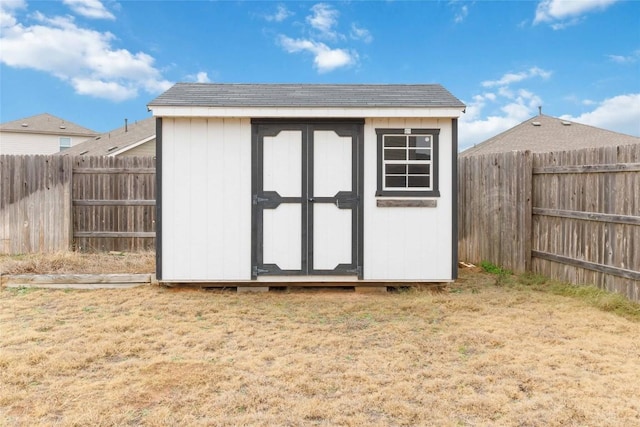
307	198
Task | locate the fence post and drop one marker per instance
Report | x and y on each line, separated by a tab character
527	190
68	197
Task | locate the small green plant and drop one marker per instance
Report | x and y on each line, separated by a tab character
494	269
503	275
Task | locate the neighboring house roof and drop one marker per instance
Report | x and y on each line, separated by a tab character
306	95
46	124
543	134
116	141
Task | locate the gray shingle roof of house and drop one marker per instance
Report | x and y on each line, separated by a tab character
46	123
543	134
115	140
306	95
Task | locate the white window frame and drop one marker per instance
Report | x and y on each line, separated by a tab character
383	162
64	146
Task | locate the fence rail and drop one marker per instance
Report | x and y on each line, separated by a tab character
584	210
53	203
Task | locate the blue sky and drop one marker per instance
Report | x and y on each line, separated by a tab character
97	62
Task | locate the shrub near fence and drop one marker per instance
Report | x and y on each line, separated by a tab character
572	216
53	203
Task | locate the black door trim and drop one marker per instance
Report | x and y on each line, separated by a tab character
270	199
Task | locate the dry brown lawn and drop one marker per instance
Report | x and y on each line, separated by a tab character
77	262
475	354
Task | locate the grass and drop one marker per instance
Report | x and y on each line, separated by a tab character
524	352
590	295
78	262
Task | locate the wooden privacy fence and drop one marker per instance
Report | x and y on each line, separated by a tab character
35	204
54	203
573	215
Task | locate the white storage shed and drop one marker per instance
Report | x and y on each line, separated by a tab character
261	184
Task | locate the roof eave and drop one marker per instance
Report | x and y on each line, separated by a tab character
305	112
132	146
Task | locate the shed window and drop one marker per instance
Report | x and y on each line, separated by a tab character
65	142
408	162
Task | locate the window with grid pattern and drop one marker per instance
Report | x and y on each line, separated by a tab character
407	162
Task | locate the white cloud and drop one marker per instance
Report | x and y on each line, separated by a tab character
325	58
358	33
620	114
476	131
7	10
324	19
460	9
628	59
322	24
280	15
461	14
83	57
113	91
89	9
492	112
201	77
475	127
563	13
510	78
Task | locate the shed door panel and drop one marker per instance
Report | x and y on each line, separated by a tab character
282	169
332	236
332	163
282	236
306	198
332	175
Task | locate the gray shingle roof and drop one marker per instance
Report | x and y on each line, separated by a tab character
544	134
46	123
306	95
114	140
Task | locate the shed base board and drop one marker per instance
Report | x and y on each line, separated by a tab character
353	286
301	281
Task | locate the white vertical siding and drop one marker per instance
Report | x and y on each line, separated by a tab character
30	143
206	184
206	231
403	243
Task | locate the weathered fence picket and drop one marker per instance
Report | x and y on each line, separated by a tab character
35	204
113	203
